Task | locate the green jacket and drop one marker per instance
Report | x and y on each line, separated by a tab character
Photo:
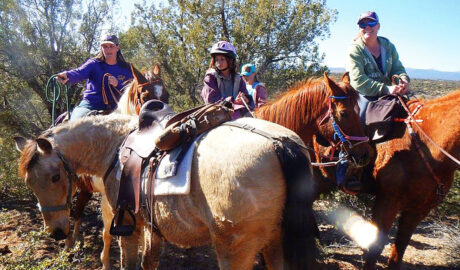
365	75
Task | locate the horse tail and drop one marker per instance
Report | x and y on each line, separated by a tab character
298	225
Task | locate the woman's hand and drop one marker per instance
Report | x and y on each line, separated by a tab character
240	98
399	89
62	78
113	81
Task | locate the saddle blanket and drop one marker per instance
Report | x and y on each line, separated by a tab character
172	177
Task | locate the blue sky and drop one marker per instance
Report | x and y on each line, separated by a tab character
426	33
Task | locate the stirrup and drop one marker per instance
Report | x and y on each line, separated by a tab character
118	229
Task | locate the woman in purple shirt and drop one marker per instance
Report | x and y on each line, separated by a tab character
223	82
107	74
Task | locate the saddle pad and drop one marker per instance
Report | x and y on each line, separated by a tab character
173	179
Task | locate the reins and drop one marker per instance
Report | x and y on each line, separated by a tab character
112	90
409	121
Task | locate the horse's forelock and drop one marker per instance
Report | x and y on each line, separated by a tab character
29	157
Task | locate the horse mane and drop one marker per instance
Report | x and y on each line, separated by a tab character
451	97
65	134
308	98
28	158
126	104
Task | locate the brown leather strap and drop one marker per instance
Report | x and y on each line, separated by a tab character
128	195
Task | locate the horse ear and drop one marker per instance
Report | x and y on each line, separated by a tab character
157	70
345	77
138	75
44	145
20	143
330	84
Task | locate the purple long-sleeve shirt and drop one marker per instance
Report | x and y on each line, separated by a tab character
94	70
211	93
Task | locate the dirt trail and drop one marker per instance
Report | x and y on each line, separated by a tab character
18	219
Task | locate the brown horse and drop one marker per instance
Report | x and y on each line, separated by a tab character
402	179
325	109
227	204
404	182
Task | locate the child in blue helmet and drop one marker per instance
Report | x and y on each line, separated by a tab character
255	88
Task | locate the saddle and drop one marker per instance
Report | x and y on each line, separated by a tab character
381	116
140	153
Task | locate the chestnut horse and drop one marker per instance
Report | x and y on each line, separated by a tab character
411	182
325	109
234	171
406	183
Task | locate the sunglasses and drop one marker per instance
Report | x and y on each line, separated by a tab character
365	24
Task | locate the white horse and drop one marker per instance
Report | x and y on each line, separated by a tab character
249	193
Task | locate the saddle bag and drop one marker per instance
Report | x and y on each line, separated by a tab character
187	128
380	118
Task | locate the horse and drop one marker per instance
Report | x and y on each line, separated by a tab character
144	87
411	174
322	108
249	193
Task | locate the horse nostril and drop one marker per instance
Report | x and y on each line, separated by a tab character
58	234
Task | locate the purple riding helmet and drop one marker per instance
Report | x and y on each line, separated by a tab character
223	47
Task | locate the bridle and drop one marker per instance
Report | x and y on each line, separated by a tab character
137	94
344	139
72	177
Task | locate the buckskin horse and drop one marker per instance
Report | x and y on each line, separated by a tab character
412	173
323	109
141	89
248	194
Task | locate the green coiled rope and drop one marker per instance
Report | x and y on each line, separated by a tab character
53	93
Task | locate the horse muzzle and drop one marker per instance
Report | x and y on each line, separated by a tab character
58	234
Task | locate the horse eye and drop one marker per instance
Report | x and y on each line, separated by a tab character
343	114
55	178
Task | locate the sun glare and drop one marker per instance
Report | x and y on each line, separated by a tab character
363	232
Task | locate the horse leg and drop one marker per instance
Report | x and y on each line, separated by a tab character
273	253
237	249
384	213
107	216
152	250
129	246
408	221
83	198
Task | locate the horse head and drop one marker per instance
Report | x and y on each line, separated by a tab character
52	181
148	87
340	126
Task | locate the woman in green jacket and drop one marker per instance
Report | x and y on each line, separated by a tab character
372	61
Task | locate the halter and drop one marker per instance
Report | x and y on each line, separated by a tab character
338	133
137	97
71	175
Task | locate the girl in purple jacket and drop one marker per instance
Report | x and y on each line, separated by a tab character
107	74
223	82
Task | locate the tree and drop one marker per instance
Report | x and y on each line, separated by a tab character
279	36
39	38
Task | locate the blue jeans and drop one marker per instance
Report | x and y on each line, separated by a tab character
363	102
81	110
